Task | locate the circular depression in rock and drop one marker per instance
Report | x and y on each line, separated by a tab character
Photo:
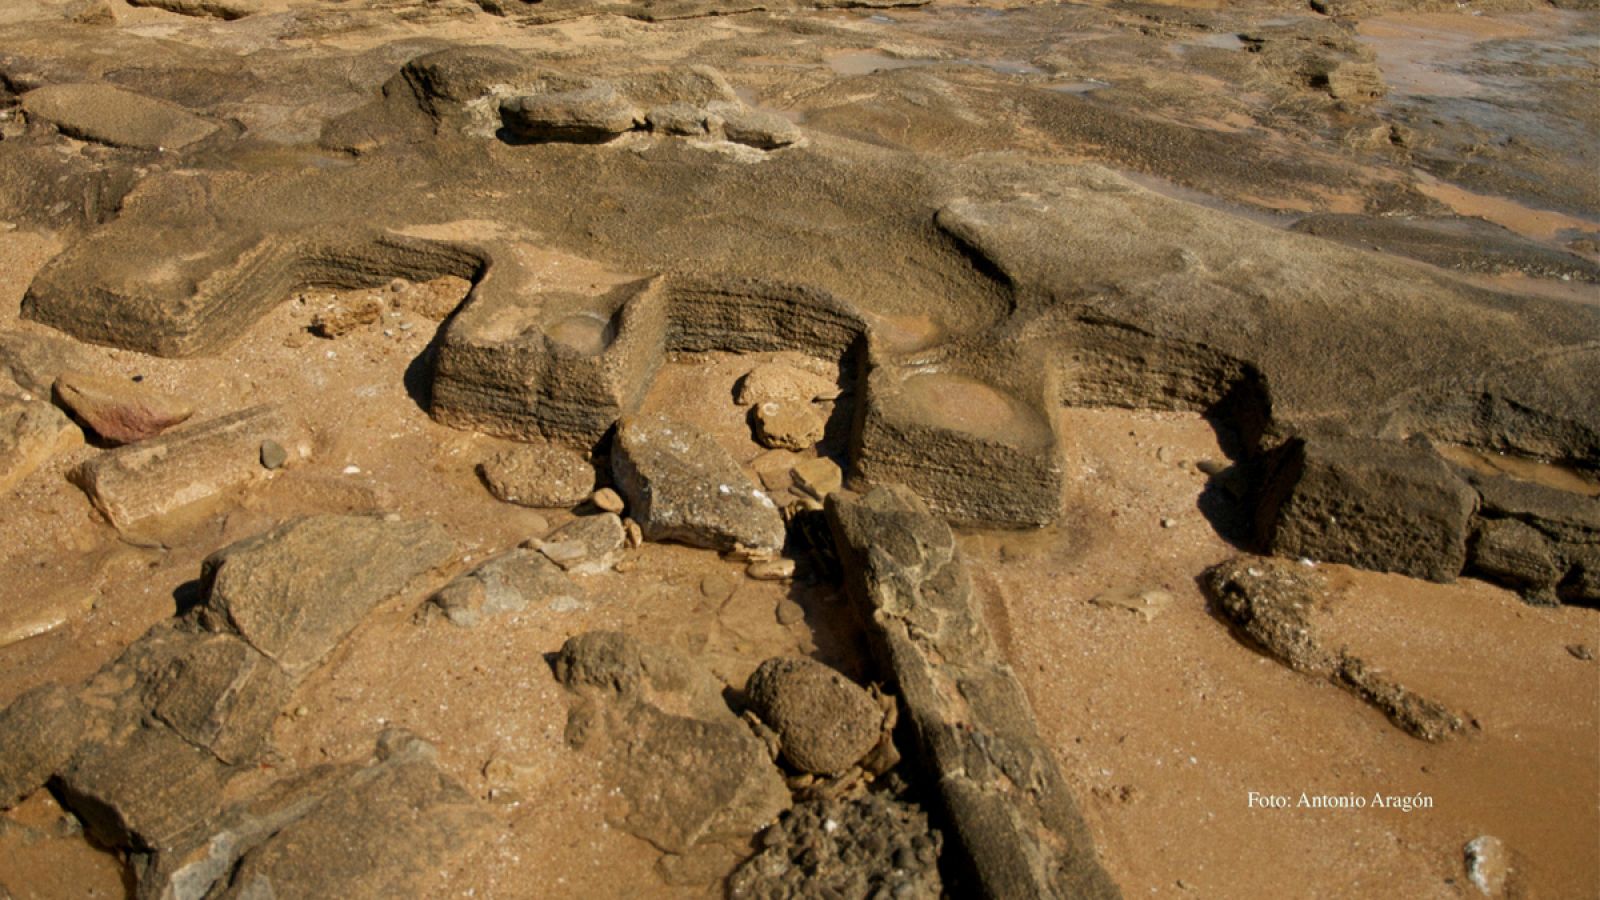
585	333
960	403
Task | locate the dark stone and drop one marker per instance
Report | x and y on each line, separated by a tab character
1368	503
294	592
1013	821
825	723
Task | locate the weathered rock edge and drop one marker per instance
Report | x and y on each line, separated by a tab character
1010	812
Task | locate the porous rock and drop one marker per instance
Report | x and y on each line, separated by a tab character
294	592
825	723
868	846
681	485
119	411
1367	503
539	475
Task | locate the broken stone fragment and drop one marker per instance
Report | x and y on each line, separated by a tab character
1146	603
384	831
688	771
1368	503
608	500
587	545
590	115
755	128
1284	608
818	477
771	570
507	583
539	475
825	722
146	792
681	485
785	384
119	411
111	115
294	592
787	426
161	475
31	432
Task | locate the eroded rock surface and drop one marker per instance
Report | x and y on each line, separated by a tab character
975	731
691	771
1284	607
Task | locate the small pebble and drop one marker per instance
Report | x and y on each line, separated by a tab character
607	500
1580	651
790	612
1169	523
273	456
1211	467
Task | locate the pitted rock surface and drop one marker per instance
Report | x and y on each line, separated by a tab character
825	723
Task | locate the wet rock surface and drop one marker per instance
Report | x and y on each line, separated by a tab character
313	261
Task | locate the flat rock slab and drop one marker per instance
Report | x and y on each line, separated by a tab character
294	592
223	695
111	115
1011	814
681	485
119	411
691	773
589	115
505	584
384	832
31	431
157	477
